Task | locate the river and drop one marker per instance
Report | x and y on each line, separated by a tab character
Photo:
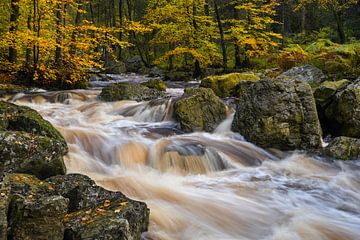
201	185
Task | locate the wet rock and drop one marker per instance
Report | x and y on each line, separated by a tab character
33	154
307	73
35	211
199	110
157	84
277	113
130	91
95	213
225	85
344	148
342	116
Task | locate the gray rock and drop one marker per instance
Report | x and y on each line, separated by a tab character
307	73
277	113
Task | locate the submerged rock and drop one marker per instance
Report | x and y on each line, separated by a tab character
307	73
344	148
130	91
225	85
342	116
277	113
157	84
199	110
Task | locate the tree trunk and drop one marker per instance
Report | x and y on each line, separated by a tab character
222	39
237	48
121	4
340	26
59	34
303	19
14	17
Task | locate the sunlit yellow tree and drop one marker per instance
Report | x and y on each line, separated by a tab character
183	27
250	29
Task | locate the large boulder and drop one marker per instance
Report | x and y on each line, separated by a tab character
342	116
179	75
277	113
344	148
134	64
307	73
68	207
225	85
130	91
28	143
199	110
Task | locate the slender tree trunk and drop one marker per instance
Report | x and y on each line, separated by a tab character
121	17
222	39
237	48
340	26
59	34
28	49
14	17
303	19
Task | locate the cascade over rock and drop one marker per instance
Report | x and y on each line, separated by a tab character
277	113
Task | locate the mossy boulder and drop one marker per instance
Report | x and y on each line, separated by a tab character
129	91
25	119
278	113
69	207
344	148
199	110
342	115
157	84
308	73
225	85
28	143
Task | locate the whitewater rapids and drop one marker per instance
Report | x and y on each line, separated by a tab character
202	185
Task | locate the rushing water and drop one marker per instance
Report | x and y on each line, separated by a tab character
202	185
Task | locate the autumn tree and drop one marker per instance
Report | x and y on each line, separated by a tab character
250	29
184	28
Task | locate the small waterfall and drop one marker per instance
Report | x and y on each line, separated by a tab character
201	185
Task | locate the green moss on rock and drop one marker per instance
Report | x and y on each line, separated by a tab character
199	110
157	84
225	85
324	93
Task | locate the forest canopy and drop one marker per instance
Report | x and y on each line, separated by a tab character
57	43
